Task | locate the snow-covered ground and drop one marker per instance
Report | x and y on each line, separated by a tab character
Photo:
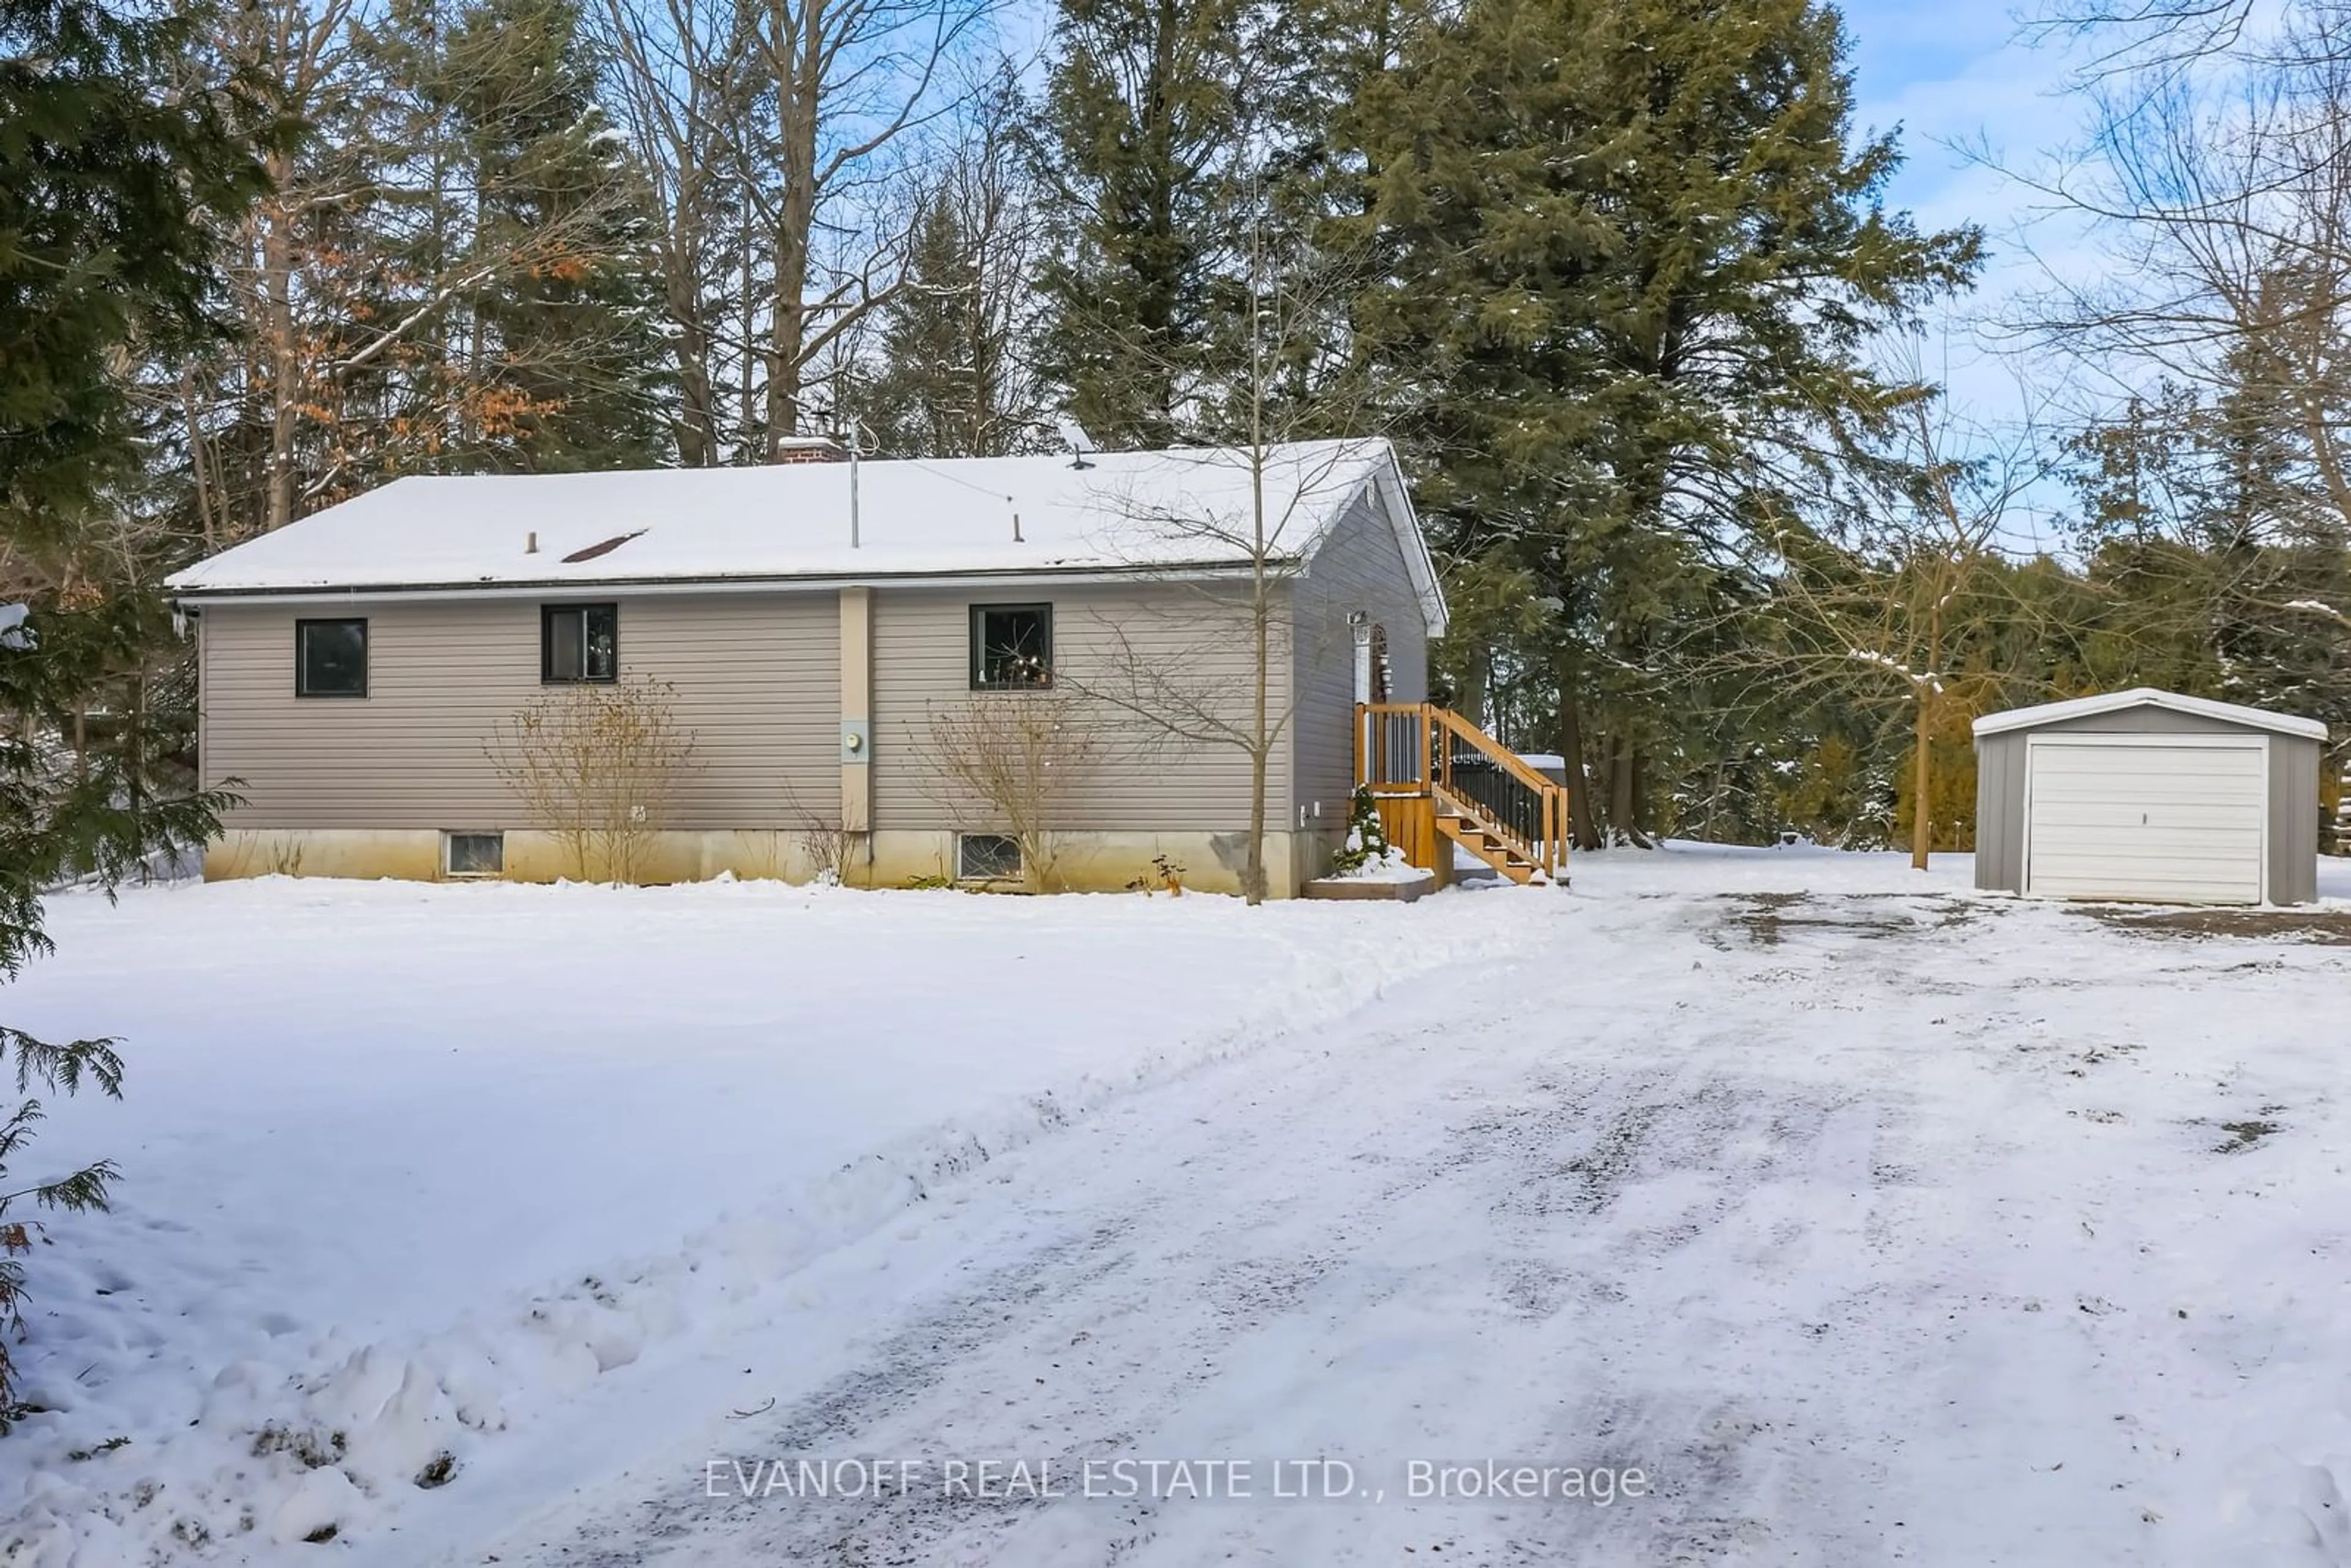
1865	1218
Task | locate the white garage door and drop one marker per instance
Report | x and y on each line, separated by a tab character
2174	821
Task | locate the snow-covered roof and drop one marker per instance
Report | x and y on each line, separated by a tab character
1113	512
2149	697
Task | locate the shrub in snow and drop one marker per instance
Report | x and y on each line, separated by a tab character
596	766
1018	756
1367	839
1165	874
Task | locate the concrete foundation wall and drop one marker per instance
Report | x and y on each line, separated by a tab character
1085	863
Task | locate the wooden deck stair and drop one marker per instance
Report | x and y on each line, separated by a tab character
1494	848
1440	781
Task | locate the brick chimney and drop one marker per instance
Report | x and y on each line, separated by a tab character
809	449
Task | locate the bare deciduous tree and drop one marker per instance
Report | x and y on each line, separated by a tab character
1872	602
943	368
779	136
2221	187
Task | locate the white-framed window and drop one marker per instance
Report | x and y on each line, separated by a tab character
987	857
472	854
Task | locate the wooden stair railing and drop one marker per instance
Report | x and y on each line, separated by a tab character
1439	780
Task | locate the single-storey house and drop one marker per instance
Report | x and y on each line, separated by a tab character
819	626
2150	796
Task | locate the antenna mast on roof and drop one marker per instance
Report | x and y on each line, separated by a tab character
850	442
1074	436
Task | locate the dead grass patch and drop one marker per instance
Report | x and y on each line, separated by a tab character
2320	928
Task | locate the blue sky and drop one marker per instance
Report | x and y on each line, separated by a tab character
1957	74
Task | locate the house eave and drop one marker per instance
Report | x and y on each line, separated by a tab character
197	596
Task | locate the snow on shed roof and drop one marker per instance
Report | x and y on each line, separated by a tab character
2149	697
1187	509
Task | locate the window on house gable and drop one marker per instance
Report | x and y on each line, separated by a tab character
1011	647
330	658
579	643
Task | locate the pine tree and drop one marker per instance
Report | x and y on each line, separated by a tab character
1141	140
2217	553
522	325
1637	258
117	161
570	341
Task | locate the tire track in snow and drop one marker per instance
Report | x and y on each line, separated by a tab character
1568	1204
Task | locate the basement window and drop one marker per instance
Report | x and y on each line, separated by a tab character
1011	647
987	857
578	643
473	854
330	658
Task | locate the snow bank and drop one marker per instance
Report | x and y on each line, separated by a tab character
1388	865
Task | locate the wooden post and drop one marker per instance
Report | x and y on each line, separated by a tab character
1433	733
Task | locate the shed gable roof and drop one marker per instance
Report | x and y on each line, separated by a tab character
2149	697
1185	510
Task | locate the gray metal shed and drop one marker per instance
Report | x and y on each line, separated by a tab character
2148	796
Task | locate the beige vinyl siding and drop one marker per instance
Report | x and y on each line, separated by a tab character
1359	567
1147	781
756	675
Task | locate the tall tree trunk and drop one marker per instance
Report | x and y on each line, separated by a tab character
200	468
1637	767
285	363
1620	789
1471	702
697	392
1582	823
799	85
749	431
1922	818
1925	711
